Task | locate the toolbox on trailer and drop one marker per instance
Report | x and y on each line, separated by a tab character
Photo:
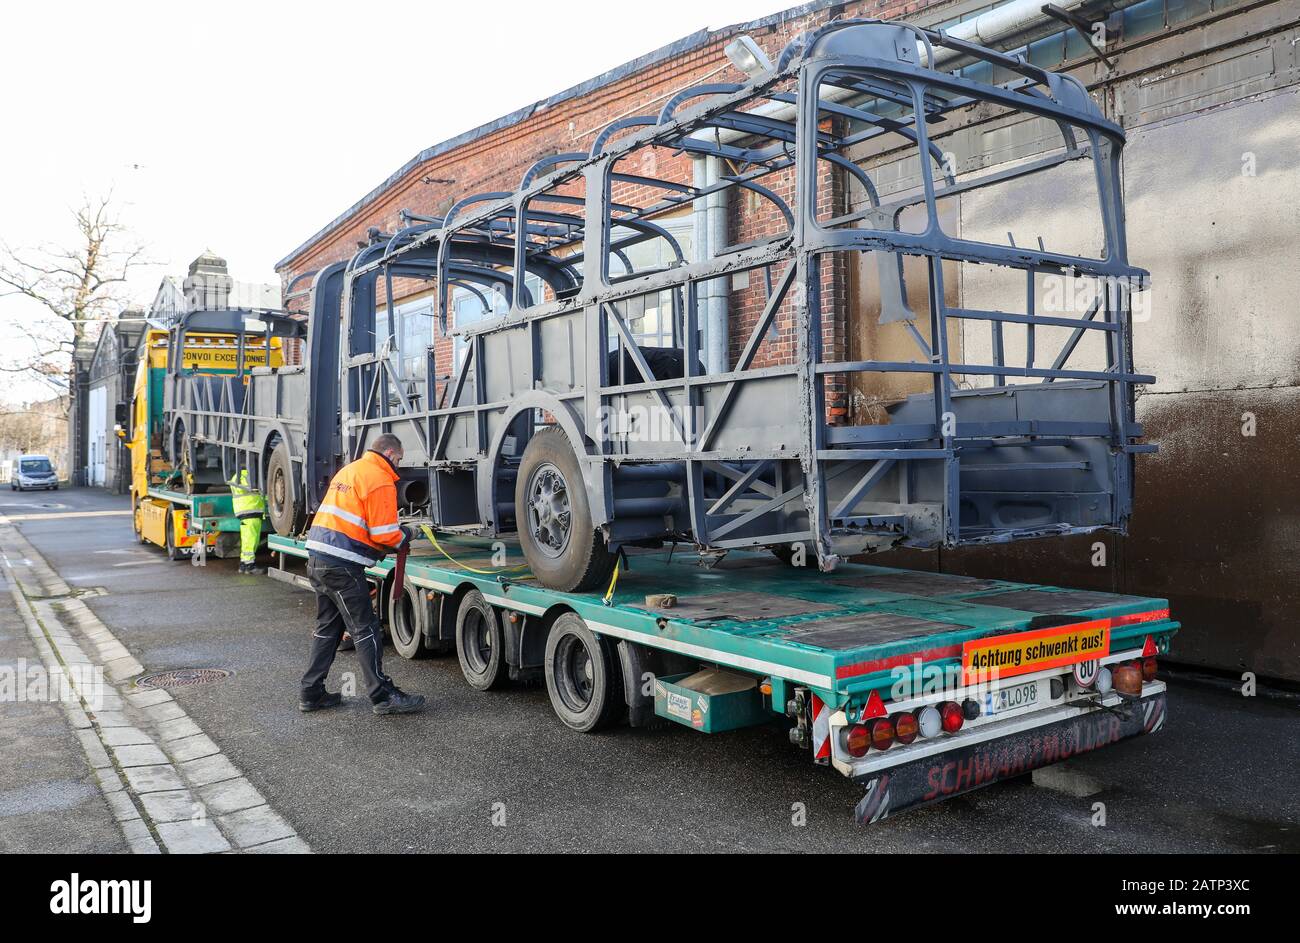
916	685
710	700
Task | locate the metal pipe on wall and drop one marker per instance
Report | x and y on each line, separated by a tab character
710	234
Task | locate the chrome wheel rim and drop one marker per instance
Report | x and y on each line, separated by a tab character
550	518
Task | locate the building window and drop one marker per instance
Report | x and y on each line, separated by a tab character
650	317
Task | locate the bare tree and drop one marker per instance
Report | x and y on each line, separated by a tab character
78	286
36	427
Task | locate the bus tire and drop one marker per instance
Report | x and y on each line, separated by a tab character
480	643
553	518
283	502
583	677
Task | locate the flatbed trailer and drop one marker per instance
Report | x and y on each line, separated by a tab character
861	664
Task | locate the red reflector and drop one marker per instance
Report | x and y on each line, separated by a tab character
857	740
875	706
1155	615
882	733
1149	648
905	727
951	713
1148	669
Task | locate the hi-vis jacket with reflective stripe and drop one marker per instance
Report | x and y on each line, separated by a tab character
245	501
357	521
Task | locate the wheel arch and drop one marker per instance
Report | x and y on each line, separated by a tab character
532	641
567	419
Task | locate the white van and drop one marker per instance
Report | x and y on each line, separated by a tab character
33	471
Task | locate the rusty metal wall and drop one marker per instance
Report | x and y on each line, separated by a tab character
1212	181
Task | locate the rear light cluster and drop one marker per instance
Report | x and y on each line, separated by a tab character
881	733
1127	677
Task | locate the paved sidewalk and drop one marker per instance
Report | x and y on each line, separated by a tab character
50	799
167	786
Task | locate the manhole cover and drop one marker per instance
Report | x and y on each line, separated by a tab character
182	678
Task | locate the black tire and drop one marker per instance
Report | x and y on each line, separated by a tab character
563	548
135	524
480	643
283	502
406	612
583	676
174	553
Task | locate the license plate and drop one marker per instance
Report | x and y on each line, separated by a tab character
1013	697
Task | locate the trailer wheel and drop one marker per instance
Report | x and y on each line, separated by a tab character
583	676
553	517
283	503
406	611
480	643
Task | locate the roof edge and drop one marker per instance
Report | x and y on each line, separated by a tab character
681	46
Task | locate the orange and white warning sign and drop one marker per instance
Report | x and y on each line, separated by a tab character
1005	656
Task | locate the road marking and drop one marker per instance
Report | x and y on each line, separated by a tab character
65	514
168	786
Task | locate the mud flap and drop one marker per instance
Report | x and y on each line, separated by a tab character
942	776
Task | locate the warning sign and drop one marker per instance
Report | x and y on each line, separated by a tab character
1005	656
225	358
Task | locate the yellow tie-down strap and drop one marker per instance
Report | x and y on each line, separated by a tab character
428	532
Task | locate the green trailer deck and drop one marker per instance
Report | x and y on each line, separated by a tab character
210	512
827	651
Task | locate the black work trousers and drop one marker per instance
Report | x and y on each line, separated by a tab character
343	602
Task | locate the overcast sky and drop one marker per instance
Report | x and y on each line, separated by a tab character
246	127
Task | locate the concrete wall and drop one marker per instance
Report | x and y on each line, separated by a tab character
1212	186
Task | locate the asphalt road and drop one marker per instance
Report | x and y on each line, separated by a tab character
1220	777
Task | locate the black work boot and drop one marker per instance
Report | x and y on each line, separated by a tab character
327	699
252	569
399	702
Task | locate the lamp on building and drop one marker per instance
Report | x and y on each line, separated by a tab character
749	57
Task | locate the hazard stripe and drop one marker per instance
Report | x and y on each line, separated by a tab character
821	729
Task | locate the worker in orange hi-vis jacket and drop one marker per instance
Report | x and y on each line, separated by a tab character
354	528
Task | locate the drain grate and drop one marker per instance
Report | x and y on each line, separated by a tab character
183	677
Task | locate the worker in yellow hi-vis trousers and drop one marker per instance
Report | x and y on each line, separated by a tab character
249	507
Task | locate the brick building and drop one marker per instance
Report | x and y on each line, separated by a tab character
1207	91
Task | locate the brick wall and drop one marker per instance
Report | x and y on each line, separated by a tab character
498	160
